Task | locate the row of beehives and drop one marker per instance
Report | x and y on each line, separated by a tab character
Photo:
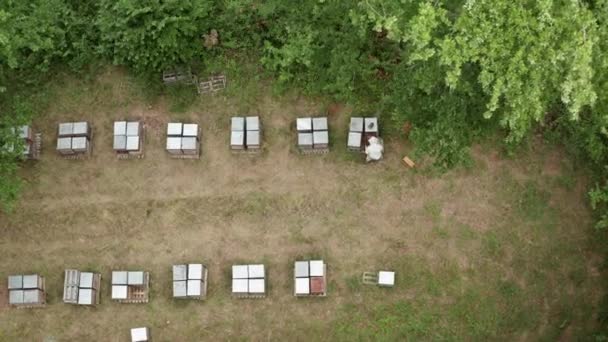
183	139
189	282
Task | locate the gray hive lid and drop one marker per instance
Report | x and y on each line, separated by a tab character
179	288
15	297
319	124
194	287
132	143
15	282
256	271
174	143
190	130
304	139
371	125
66	128
133	128
86	296
30	281
64	143
240	286
174	128
136	278
253	138
120	128
24	132
320	137
180	272
119	277
120	142
119	291
356	124
195	271
79	143
304	124
188	143
139	335
252	123
316	268
80	128
237	123
239	272
86	280
302	286
237	138
354	139
256	286
31	296
301	269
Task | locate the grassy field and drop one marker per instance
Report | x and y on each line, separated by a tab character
501	251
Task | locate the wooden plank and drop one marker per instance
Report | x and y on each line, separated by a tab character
408	162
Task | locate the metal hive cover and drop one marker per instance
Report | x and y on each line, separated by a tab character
256	271
190	130
119	277
252	123
302	286
79	143
386	278
174	143
180	272
120	142
371	125
132	143
24	132
86	280
195	271
86	296
80	128
31	296
319	124
194	287
119	291
120	128
174	128
139	335
304	139
301	269
320	137
356	124
240	286
354	139
237	138
64	143
179	288
66	128
30	281
304	124
240	272
189	143
133	129
15	282
253	138
237	123
136	278
15	297
316	268
256	286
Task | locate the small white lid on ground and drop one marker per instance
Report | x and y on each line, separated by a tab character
190	130
195	271
86	279
240	272
354	139
174	143
371	125
132	143
64	143
135	278
301	269
66	128
256	286
320	137
319	124
302	285
120	128
85	296
240	285
237	138
252	123
304	124
386	278
80	128
237	123
139	335
119	291
253	138
356	124
120	142
194	288
174	128
180	272
304	139
133	129
256	271
316	268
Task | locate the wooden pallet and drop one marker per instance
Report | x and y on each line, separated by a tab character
369	278
213	84
314	151
249	295
246	151
37	146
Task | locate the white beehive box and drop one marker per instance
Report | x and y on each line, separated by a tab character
253	139
180	288
195	271
120	128
140	335
252	123
304	124
256	271
15	297
320	139
302	286
189	145
66	129
132	143
135	278
86	296
305	140
237	124
356	124
301	269
81	128
256	286
120	143
354	141
371	125
174	145
240	286
194	288
240	272
15	282
319	124
80	144
133	129
386	278
316	268
174	129
190	130
64	145
237	140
